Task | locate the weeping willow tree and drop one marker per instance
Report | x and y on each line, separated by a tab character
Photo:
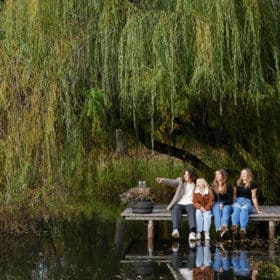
201	80
196	79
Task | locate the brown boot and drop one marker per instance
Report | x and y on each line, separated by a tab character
242	233
234	230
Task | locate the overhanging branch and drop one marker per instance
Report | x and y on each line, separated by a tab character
175	152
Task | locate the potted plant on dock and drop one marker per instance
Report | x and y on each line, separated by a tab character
140	199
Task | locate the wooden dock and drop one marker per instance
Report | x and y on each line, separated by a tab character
271	215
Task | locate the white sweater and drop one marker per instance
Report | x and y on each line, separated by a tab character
187	198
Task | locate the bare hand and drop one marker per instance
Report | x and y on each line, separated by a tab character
260	212
221	206
159	180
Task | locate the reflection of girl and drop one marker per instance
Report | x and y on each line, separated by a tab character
203	255
240	264
221	261
203	268
181	265
244	193
182	202
203	201
223	195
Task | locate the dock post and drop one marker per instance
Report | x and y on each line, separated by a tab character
150	233
150	237
119	234
271	230
271	248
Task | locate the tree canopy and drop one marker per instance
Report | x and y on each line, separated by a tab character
197	79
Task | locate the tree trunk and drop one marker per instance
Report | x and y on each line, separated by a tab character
121	142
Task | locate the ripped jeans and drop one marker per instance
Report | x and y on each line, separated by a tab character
242	207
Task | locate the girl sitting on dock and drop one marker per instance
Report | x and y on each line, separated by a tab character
203	201
223	196
182	202
245	192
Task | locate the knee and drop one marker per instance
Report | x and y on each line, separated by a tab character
176	208
245	209
236	207
229	211
215	209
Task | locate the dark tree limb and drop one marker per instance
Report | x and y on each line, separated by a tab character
174	151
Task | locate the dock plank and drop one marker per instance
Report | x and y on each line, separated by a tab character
271	213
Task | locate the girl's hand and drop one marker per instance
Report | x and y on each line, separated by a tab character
202	209
221	205
260	212
159	180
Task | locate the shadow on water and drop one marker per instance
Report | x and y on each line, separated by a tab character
99	245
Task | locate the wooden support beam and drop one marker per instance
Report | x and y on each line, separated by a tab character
271	230
271	248
150	237
150	231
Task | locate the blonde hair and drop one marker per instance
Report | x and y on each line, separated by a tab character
224	182
204	183
249	175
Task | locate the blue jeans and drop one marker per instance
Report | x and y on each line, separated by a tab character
242	207
176	213
241	265
221	261
221	216
203	220
203	256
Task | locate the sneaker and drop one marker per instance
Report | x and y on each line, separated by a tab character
198	235
242	233
175	247
192	244
192	236
206	235
223	230
175	234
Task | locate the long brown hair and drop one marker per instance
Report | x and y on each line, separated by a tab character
250	178
224	181
192	175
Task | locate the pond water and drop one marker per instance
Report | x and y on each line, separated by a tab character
99	248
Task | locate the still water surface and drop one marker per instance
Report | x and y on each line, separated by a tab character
98	248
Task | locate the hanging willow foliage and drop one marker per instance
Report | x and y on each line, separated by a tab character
167	67
43	72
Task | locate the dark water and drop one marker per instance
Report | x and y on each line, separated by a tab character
99	248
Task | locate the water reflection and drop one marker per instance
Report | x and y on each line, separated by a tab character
80	249
200	261
182	265
196	265
93	248
221	263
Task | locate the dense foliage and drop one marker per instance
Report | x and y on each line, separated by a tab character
196	79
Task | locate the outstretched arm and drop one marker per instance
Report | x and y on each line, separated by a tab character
168	182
